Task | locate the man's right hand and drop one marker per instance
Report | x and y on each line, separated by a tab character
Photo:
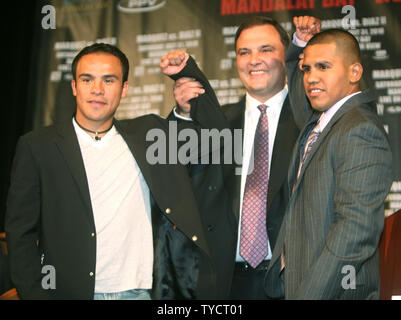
186	89
173	62
306	27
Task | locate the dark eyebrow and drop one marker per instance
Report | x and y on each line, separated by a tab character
267	46
305	65
324	62
87	75
261	47
106	76
110	76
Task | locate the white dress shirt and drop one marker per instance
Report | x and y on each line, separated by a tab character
252	114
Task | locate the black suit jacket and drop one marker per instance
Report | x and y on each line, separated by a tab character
277	197
208	183
215	185
49	219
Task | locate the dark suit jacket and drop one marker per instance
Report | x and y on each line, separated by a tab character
225	184
335	214
208	183
49	218
277	197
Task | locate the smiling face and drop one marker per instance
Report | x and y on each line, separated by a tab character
98	89
329	76
260	61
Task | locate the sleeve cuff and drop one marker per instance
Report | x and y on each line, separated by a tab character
298	42
179	116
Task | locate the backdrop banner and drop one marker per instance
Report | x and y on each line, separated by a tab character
147	29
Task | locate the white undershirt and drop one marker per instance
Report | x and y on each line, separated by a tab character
252	114
121	209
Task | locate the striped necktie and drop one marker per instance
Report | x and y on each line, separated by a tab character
308	147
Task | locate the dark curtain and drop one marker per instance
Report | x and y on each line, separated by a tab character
21	26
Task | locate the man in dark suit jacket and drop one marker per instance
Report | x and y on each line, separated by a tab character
339	176
207	180
66	236
260	46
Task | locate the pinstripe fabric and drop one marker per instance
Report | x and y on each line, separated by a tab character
335	216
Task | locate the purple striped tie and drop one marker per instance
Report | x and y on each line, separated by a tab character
308	147
253	242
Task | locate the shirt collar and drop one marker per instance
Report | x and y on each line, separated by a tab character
329	113
274	103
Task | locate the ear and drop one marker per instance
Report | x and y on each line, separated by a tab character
125	89
74	88
356	71
301	61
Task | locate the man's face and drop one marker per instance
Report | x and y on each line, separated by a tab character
327	77
260	61
98	88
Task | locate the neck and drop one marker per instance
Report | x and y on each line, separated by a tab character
354	89
98	132
93	125
264	98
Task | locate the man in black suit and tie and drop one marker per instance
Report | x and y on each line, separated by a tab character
263	114
87	216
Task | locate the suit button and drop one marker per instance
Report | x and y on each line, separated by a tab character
168	211
210	227
194	238
212	188
91	274
92	234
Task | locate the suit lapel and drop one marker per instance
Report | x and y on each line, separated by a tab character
236	117
162	181
296	155
68	145
136	144
312	152
282	151
365	97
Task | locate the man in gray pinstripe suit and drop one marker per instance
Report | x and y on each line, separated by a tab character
339	176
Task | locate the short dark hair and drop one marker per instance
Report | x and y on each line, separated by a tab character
260	21
344	41
102	48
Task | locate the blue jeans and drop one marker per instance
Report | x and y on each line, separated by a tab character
136	294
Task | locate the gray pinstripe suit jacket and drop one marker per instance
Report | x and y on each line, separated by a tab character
335	214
